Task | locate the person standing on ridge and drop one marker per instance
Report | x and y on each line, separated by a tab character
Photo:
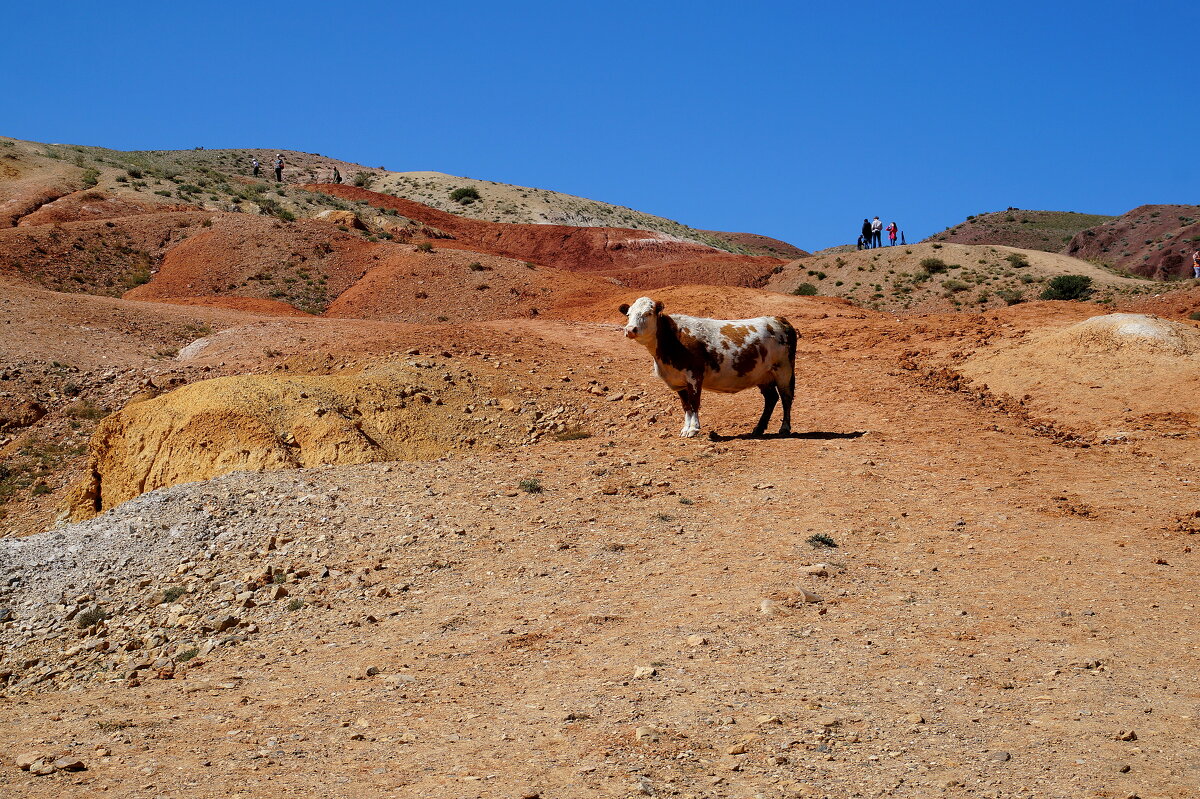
1196	265
876	233
254	163
278	167
866	234
337	176
891	229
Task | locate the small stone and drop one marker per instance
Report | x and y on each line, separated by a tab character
530	793
999	756
736	749
372	671
696	640
829	721
915	718
278	592
770	607
817	570
41	767
644	672
809	596
768	719
1124	768
69	763
1127	735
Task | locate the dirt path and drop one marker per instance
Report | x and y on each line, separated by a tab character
997	617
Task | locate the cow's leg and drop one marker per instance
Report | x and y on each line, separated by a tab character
690	399
787	391
770	396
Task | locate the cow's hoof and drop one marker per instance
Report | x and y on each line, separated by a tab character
785	431
689	433
758	431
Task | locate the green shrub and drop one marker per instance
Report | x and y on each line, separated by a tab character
1017	259
805	290
424	247
1068	287
363	180
955	285
90	177
530	485
933	265
821	541
1195	315
475	266
465	195
91	616
1010	296
572	434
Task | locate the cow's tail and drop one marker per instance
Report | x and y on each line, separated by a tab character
790	333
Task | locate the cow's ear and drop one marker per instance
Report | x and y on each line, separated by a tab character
658	306
624	308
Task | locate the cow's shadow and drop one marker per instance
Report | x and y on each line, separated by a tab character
819	435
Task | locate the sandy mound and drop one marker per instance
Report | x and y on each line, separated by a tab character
90	205
409	410
1120	372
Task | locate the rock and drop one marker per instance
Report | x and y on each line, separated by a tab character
343	218
915	718
278	592
737	749
819	570
226	623
530	793
769	607
768	719
649	734
26	759
1127	735
644	672
69	763
1000	756
41	768
696	640
809	596
371	671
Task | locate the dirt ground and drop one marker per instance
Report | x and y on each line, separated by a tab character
1007	610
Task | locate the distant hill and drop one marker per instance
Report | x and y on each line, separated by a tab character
760	245
33	174
1049	231
932	276
1151	240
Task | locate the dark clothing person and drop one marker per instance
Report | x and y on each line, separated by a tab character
254	163
866	233
279	169
337	176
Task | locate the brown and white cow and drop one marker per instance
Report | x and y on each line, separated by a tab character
692	353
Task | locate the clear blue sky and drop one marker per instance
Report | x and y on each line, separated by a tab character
791	119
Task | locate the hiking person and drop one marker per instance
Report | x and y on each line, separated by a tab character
1196	265
278	167
902	241
876	233
254	163
866	234
891	229
337	176
862	245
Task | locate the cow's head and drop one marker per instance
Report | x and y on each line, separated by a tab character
642	323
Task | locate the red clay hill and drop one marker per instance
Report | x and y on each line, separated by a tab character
639	258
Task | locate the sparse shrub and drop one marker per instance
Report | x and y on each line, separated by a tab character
1068	287
39	488
424	247
664	517
805	290
1194	315
936	246
134	173
90	177
171	593
933	265
572	434
84	409
955	285
530	485
821	541
363	180
91	616
685	501
475	266
1010	296
465	195
1017	259
186	655
482	287
295	604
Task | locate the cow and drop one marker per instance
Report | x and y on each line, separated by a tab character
693	353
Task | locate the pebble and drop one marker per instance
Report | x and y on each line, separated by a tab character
644	672
696	640
1000	756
